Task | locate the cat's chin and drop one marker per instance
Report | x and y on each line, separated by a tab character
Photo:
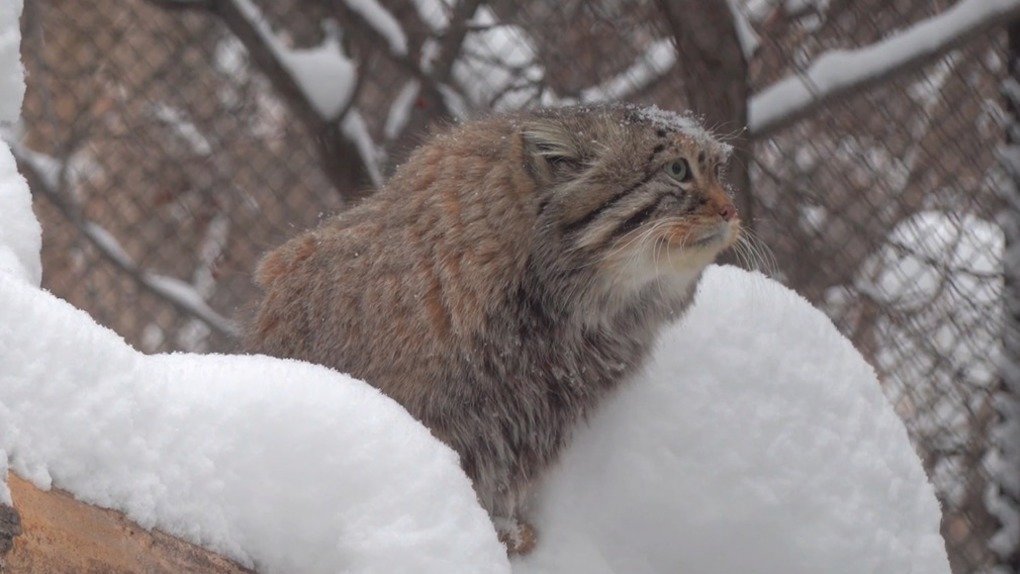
702	247
717	237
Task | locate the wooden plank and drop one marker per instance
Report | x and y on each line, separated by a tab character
61	534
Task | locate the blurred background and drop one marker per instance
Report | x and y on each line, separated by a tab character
171	142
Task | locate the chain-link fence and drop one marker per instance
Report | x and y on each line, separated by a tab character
171	142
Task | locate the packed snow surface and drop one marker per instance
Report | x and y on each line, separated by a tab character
20	236
758	440
19	230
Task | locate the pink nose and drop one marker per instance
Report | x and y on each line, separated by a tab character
727	211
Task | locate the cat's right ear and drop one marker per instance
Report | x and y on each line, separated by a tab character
552	150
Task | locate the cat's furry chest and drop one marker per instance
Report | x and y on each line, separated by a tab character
537	372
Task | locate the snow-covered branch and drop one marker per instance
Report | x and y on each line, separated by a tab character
44	175
837	74
749	41
382	23
453	37
319	85
431	66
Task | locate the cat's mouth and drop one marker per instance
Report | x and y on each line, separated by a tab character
719	236
710	238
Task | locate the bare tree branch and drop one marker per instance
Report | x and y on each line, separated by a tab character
433	95
453	39
169	289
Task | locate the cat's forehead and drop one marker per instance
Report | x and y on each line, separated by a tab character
590	131
684	130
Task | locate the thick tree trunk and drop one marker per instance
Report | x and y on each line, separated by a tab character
714	72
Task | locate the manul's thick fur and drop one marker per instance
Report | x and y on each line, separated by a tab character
507	277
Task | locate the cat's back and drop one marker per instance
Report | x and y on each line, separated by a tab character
412	272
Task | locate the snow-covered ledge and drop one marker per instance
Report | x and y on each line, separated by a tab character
757	440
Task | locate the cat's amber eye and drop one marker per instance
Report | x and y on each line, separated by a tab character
679	170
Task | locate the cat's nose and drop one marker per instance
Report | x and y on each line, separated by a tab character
727	210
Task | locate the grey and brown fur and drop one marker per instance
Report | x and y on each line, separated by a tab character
510	274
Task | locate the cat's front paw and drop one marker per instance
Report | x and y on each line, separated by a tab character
519	537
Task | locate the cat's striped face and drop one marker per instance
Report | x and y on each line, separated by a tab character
641	197
676	201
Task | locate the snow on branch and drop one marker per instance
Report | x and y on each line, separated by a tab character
356	130
45	176
745	32
400	110
382	22
324	75
837	74
382	29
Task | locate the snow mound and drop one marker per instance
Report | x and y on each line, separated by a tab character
20	234
12	82
758	441
282	465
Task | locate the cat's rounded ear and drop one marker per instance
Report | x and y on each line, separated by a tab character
552	149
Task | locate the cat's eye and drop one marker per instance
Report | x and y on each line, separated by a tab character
679	170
